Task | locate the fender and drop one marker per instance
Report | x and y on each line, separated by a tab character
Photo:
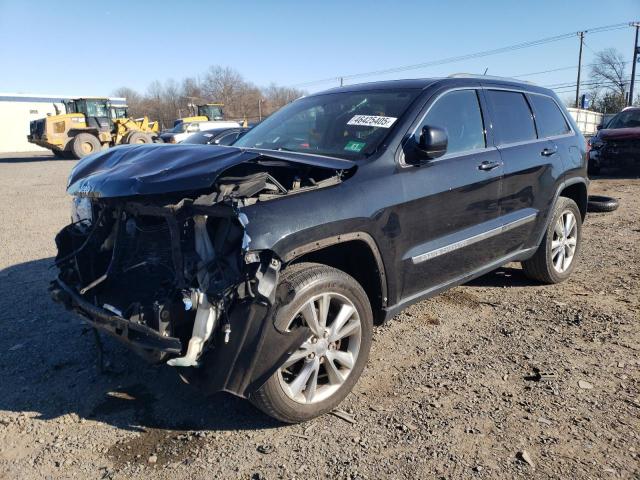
343	238
564	184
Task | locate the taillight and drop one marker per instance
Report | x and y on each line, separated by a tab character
172	140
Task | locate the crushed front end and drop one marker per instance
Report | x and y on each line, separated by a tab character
171	274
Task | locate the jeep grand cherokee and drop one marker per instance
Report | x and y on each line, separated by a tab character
261	268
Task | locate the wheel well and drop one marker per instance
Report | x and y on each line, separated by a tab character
578	193
356	259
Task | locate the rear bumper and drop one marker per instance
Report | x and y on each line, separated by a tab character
140	337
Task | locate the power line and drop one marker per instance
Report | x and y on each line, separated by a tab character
571	88
459	58
556	70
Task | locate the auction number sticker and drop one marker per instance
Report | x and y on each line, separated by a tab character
372	121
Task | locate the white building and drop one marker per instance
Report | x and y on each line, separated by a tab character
18	109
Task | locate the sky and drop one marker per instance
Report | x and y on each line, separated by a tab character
92	48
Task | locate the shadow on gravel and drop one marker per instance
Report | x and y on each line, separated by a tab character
28	158
503	277
48	366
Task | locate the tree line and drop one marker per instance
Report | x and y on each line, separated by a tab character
166	101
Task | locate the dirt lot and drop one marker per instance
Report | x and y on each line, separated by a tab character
457	387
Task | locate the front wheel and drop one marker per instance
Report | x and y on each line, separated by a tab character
324	369
557	255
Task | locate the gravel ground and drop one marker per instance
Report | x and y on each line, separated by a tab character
501	378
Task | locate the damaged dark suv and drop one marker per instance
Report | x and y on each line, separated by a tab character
261	268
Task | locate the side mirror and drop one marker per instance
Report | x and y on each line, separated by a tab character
431	144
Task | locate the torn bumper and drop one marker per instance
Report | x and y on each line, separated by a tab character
241	366
254	352
139	337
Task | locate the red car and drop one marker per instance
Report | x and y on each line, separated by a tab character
617	145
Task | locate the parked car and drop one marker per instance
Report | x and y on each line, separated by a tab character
184	129
216	136
260	269
618	144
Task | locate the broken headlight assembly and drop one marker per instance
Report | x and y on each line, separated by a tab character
81	211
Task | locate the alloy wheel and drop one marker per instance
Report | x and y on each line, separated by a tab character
324	361
565	241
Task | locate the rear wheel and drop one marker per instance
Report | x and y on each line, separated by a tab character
556	257
84	144
138	138
324	369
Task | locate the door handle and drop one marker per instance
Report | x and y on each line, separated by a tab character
486	165
547	152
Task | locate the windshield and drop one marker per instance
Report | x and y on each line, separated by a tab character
345	125
119	112
95	108
180	128
212	112
203	137
628	119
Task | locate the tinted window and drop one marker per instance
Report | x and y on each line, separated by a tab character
228	139
459	114
511	116
201	138
549	118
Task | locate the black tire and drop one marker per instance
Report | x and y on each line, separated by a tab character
598	203
84	144
138	138
58	153
540	267
306	280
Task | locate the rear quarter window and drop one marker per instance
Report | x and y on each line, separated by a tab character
549	118
512	117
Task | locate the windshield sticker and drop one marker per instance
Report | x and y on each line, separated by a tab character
354	146
372	121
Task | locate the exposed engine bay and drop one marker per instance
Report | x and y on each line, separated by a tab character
173	274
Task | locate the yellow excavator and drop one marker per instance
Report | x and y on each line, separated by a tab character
206	112
89	125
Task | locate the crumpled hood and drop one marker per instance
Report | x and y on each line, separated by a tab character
619	134
157	168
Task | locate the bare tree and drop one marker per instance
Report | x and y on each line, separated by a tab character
242	99
134	100
608	81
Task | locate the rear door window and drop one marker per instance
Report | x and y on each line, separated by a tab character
549	118
458	113
512	117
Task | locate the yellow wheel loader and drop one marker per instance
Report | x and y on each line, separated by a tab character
206	112
89	125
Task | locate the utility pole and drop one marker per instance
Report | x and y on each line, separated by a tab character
636	49
581	34
260	109
341	79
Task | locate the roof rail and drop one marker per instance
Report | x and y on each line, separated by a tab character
488	77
